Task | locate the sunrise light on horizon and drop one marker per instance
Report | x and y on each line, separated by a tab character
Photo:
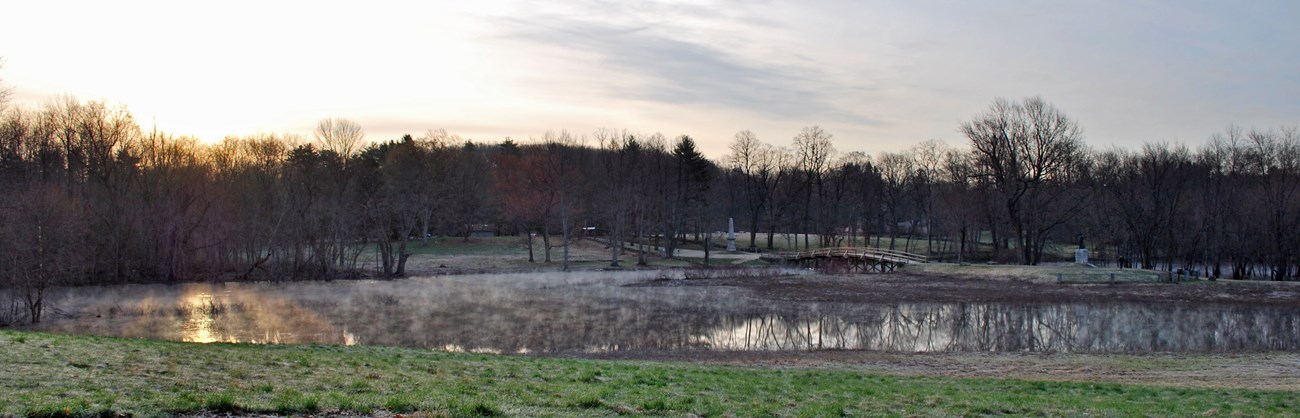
879	75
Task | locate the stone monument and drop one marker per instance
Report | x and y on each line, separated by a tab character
1081	254
731	235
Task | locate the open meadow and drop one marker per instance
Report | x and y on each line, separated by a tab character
61	375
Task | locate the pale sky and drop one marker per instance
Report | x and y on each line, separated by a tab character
879	75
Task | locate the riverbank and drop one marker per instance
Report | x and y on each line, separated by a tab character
52	375
951	283
930	282
49	374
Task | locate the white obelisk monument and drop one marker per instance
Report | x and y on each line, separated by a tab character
731	234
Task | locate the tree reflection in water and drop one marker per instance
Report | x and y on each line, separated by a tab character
594	312
1114	328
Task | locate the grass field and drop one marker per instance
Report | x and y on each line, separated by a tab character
1052	250
496	246
59	375
510	254
1070	273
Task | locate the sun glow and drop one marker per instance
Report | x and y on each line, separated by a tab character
198	326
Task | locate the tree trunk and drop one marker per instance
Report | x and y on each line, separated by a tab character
424	229
961	250
546	242
530	246
670	232
771	235
564	223
911	232
385	249
993	233
402	255
640	242
36	302
706	249
615	240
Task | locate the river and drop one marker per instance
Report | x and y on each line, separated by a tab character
588	312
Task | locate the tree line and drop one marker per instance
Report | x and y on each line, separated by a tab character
89	197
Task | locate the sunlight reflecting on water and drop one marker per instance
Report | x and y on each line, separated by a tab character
210	314
198	325
594	312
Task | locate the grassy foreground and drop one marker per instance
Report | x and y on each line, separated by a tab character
61	375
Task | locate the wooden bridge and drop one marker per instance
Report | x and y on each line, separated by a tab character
846	260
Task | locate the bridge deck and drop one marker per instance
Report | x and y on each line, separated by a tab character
847	258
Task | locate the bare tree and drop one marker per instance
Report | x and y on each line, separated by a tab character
929	156
406	166
6	91
782	192
541	184
815	152
520	183
898	174
1028	151
41	238
959	203
1147	191
1273	163
756	162
656	173
620	154
342	136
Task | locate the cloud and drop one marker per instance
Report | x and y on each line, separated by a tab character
656	62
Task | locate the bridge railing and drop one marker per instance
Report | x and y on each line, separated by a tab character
848	252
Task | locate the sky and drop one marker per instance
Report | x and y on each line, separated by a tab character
878	75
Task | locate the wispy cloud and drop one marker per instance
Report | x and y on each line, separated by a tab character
879	74
647	61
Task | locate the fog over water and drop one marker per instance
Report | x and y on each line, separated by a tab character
596	312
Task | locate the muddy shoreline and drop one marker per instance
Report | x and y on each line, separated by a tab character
946	288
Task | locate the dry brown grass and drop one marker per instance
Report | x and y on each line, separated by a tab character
1040	273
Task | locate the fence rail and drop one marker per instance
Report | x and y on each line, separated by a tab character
877	254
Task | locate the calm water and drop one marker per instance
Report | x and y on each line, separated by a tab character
594	312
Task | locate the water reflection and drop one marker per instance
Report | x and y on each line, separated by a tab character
198	325
1005	328
593	312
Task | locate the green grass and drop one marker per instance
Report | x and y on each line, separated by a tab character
475	246
60	375
487	246
1053	250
